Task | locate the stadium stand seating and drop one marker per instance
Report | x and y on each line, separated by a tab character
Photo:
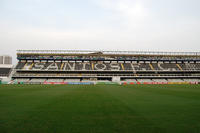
20	65
159	80
190	66
106	66
144	80
71	80
191	80
22	80
175	80
130	80
55	80
5	71
37	80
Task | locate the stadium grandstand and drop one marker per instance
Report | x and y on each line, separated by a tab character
5	73
125	67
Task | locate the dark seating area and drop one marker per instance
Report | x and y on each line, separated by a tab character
4	72
107	66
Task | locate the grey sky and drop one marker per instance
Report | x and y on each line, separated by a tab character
156	25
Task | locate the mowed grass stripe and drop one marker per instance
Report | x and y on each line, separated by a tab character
89	106
186	91
168	110
99	108
87	110
17	104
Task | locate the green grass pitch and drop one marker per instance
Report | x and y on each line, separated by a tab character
99	109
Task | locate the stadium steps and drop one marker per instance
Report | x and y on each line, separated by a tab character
31	66
179	67
62	65
92	66
25	65
151	66
122	66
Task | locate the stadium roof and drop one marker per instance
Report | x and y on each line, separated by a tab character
106	52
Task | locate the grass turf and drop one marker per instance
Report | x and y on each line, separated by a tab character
99	109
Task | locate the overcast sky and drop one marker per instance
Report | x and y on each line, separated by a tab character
155	25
